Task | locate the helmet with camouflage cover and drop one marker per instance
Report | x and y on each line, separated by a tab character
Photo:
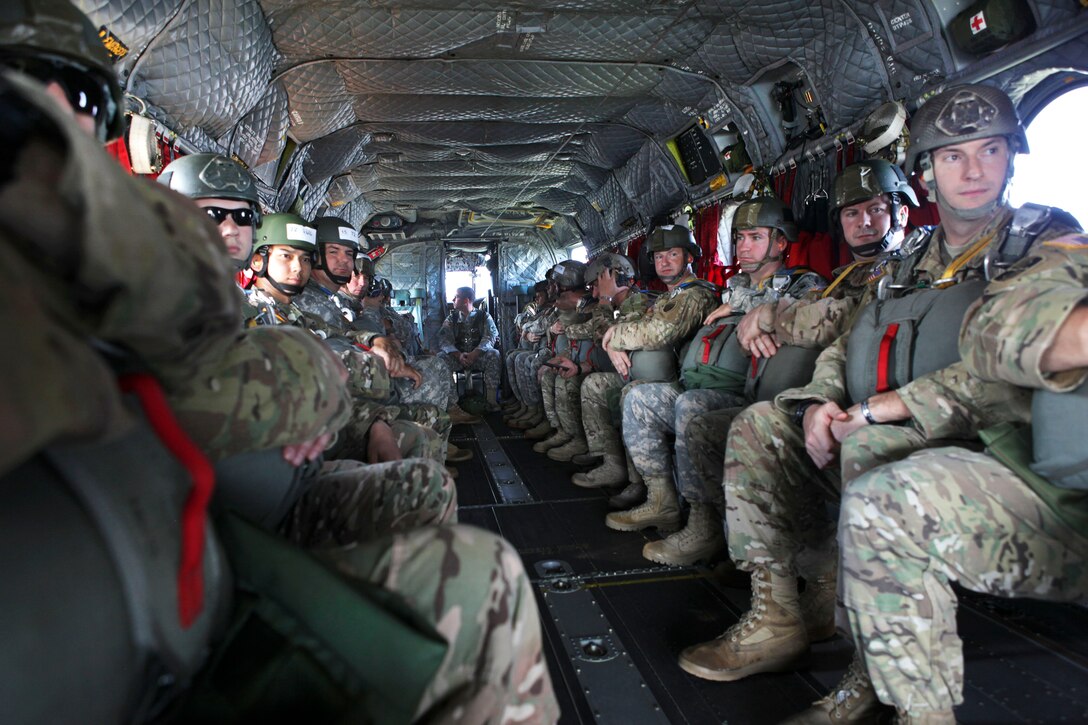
766	211
569	275
672	236
866	180
334	230
53	40
959	115
622	268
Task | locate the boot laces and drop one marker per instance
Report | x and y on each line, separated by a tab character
754	616
853	683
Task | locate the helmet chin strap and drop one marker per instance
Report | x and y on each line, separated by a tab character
288	289
323	265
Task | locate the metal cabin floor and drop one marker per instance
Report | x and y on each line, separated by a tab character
614	622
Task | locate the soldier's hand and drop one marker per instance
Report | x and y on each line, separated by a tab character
821	445
381	444
556	328
568	368
620	360
387	350
723	310
854	420
755	332
607	339
471	357
412	374
532	337
299	453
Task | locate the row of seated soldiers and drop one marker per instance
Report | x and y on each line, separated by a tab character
228	501
928	393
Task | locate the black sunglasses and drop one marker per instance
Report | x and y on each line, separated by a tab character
241	217
85	90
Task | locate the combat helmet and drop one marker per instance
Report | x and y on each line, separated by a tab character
766	211
569	275
286	230
670	237
212	176
621	266
863	181
334	230
958	115
379	287
52	40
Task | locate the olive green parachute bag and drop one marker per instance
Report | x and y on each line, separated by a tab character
307	644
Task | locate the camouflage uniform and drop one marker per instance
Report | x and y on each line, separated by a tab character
671	319
404	330
421	430
775	511
653	411
568	402
231	391
527	365
466	335
909	529
537	324
813	321
434	388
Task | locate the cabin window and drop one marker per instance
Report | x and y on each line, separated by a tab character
478	279
577	253
1058	155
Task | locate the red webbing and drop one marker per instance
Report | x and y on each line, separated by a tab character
882	364
194	515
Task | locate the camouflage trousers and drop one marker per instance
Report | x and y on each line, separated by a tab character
548	378
600	392
568	405
653	411
488	363
525	368
470	585
436	388
511	372
414	439
705	441
776	500
909	529
349	502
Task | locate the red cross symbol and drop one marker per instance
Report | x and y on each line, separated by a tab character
978	23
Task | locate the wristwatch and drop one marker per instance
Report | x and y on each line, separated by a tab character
799	411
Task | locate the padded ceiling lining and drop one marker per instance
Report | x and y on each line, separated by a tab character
489	103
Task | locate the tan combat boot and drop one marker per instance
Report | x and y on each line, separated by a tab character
570	449
456	455
701	539
931	717
660	510
818	607
540	431
770	637
557	439
460	416
491	395
532	417
852	701
611	472
515	413
632	495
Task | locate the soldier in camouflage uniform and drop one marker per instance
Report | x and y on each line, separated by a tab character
467	342
281	266
527	364
784	459
1009	521
570	280
869	213
763	228
224	391
664	327
533	338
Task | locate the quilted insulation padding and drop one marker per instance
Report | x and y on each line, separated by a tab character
260	136
614	205
418	266
652	178
907	34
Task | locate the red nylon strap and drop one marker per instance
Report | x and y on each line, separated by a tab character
195	514
882	364
708	341
361	346
755	367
